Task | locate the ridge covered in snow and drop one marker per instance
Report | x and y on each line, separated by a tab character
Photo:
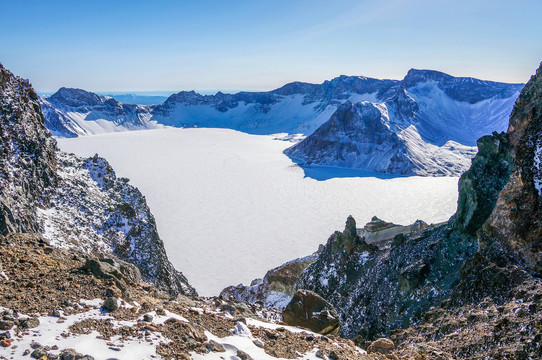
432	120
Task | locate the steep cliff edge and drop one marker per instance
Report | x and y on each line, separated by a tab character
27	155
75	203
513	232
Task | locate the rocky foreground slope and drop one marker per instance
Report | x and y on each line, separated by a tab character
75	203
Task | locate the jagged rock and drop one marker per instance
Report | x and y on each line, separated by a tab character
39	353
309	310
377	289
41	187
27	156
381	346
481	184
513	232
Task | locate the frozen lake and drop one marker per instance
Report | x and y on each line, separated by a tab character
229	206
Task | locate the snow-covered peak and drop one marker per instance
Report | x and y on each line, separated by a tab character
76	97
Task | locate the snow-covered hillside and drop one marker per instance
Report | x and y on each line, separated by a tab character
427	124
75	112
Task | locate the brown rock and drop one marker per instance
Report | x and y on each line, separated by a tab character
381	346
309	310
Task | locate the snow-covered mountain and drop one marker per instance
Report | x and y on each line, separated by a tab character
430	119
74	112
426	124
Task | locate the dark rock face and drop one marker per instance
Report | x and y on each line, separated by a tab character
309	310
45	191
481	184
376	290
513	232
27	156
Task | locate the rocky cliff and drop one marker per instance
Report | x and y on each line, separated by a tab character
27	155
75	203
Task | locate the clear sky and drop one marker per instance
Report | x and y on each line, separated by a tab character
119	45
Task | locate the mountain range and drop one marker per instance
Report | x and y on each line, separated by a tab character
425	124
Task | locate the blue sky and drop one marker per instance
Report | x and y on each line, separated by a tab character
260	45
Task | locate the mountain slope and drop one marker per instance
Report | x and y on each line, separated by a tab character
435	120
74	112
75	203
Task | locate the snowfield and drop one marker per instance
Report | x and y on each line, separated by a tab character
229	206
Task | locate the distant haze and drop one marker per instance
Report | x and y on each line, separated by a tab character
260	45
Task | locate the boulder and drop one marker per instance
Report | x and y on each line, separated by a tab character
111	304
309	310
381	346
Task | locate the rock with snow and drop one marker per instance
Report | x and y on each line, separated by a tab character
75	203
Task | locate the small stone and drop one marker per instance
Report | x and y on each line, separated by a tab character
34	345
6	342
214	346
160	311
26	352
111	304
29	323
38	353
309	337
56	313
243	355
5	335
381	346
148	318
259	343
6	324
47	250
113	291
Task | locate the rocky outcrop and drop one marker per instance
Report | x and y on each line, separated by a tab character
309	310
27	156
75	203
277	287
513	232
376	289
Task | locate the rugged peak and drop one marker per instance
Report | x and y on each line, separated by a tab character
76	97
415	76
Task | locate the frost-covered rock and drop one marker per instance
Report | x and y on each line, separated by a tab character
27	156
378	288
111	217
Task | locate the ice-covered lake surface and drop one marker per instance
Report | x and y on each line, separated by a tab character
229	206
